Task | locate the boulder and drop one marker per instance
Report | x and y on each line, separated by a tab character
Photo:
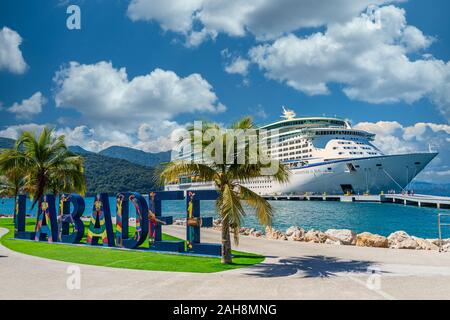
275	234
257	233
346	237
295	233
436	241
397	237
179	222
291	230
425	244
243	231
402	240
298	235
446	247
246	231
407	244
367	239
315	236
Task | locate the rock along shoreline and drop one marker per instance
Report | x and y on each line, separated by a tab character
341	237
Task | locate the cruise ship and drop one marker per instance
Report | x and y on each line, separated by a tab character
327	155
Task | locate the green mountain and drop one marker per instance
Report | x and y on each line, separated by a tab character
137	156
106	174
111	175
6	143
79	150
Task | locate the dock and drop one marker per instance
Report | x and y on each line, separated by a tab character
417	200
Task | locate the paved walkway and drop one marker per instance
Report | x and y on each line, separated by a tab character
291	271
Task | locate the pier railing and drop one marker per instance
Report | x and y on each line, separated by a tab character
413	200
440	225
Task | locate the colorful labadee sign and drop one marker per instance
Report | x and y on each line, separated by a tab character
100	227
66	224
156	220
46	225
194	222
122	220
68	219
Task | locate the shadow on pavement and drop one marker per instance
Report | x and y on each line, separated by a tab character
309	267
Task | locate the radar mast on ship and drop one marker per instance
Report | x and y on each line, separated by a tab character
288	114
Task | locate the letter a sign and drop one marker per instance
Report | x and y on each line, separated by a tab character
73	22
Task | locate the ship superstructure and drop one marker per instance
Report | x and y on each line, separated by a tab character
327	155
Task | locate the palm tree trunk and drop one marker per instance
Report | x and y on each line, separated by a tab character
226	242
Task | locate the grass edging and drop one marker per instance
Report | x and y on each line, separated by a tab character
125	259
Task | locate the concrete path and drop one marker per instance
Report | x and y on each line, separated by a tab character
291	271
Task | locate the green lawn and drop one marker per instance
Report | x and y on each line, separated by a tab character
121	258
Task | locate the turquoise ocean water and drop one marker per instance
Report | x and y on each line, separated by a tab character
372	217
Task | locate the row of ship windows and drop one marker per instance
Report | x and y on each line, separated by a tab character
290	143
288	149
260	187
353	148
327	133
260	181
355	153
288	157
350	142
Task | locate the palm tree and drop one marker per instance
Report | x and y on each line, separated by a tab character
47	164
12	180
229	178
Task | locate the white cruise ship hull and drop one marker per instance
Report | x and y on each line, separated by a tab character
355	175
373	175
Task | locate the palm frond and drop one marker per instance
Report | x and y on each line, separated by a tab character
173	170
262	207
230	208
244	123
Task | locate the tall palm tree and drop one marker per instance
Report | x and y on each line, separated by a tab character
46	162
229	177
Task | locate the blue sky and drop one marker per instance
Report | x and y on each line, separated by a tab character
332	74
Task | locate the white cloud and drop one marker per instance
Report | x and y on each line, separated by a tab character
368	55
117	111
150	138
14	131
266	19
238	66
394	138
11	58
134	112
103	94
146	137
29	107
96	139
174	15
157	139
